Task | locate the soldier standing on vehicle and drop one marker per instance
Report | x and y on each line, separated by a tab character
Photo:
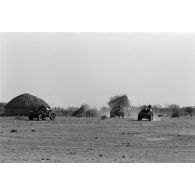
150	108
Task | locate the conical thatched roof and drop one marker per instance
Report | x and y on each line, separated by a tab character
26	100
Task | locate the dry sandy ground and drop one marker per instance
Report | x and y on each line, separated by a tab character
95	140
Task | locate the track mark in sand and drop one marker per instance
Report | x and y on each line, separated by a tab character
72	153
157	139
130	133
35	148
165	137
126	144
89	149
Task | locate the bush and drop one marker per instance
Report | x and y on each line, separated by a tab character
2	107
60	111
103	117
175	114
188	110
93	112
156	108
104	110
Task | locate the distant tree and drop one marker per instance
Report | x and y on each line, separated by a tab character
119	100
2	107
157	108
175	114
174	110
60	111
141	107
189	110
93	112
104	110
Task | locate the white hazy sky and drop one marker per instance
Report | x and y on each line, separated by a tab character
68	69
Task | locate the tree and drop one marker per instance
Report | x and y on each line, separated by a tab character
174	110
2	107
119	100
104	109
157	108
93	112
189	110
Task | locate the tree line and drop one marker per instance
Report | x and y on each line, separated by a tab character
172	110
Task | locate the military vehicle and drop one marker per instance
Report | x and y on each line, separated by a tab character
41	113
145	113
117	111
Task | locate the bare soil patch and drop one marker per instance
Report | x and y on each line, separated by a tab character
96	140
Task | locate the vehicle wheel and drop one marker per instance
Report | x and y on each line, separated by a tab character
139	118
52	116
150	118
30	118
39	117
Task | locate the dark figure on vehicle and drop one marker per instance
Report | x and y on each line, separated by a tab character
41	113
146	113
149	107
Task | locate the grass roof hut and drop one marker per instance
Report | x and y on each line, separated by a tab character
22	104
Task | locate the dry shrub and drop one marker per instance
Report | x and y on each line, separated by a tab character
94	112
13	131
2	108
103	117
175	114
59	111
188	110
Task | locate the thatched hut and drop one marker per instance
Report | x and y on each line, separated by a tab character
22	104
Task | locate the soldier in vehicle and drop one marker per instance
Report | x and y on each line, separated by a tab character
150	108
146	113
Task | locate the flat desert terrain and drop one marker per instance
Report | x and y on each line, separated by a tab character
95	140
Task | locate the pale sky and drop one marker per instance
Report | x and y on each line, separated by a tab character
69	69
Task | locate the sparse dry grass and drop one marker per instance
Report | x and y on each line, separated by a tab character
96	140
